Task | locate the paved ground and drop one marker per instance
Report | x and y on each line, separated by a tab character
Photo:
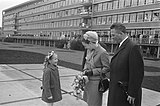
19	83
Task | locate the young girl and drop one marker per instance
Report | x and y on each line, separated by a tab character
51	82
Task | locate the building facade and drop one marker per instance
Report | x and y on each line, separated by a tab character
56	19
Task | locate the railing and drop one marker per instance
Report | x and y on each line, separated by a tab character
85	12
153	41
86	1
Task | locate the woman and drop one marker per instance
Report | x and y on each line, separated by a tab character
97	61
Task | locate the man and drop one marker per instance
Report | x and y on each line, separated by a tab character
127	70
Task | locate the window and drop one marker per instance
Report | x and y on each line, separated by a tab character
133	32
99	20
69	12
141	2
139	31
149	1
72	11
104	20
74	23
96	8
115	4
105	6
140	17
66	13
71	22
134	3
95	21
109	5
127	3
121	3
120	18
78	22
76	11
114	18
147	16
100	7
156	16
109	19
126	18
132	17
146	31
155	1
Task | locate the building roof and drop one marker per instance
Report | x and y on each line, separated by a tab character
16	6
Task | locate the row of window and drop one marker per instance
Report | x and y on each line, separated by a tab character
50	7
66	23
109	5
64	13
98	7
134	32
54	34
128	18
9	28
9	22
57	4
9	16
117	4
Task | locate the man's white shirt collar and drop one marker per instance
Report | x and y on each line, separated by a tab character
122	41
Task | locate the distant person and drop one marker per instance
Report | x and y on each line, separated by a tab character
140	38
126	70
96	62
51	82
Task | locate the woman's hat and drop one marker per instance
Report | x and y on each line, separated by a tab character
91	36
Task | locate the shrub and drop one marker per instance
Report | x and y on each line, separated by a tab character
76	45
60	43
9	40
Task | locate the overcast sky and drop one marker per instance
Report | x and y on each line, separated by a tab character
4	4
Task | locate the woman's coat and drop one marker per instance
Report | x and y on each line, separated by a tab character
100	64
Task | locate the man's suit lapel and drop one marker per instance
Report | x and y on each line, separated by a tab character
121	48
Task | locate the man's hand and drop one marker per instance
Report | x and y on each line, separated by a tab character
130	99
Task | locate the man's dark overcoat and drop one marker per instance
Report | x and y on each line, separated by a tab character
126	66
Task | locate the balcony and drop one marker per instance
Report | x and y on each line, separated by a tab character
84	26
86	2
85	14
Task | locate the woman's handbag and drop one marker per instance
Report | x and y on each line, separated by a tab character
103	83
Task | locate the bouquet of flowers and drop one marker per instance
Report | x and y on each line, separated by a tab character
78	85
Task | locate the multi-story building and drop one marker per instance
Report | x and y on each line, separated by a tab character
55	19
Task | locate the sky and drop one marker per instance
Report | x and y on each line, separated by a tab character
4	4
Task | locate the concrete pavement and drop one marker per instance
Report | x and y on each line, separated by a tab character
19	83
20	86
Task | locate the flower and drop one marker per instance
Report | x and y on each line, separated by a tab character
78	85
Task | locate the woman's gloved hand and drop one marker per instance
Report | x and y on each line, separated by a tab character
88	72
